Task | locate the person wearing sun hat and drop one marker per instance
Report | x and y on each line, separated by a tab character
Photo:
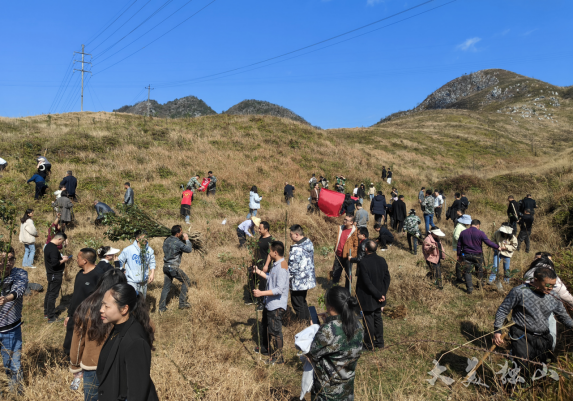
108	255
247	228
507	243
434	253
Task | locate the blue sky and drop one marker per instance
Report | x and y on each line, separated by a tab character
349	84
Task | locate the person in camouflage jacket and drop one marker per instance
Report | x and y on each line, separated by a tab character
428	205
412	228
333	354
193	183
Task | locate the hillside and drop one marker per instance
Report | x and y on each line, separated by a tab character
493	90
189	106
207	352
260	107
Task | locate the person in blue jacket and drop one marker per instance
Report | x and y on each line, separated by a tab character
40	185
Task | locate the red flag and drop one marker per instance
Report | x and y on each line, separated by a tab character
204	185
330	202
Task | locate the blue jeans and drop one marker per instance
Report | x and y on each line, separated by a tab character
11	342
140	288
28	255
371	197
428	222
496	262
91	385
252	212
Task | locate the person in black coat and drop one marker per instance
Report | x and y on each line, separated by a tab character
379	207
125	359
384	174
385	237
527	204
399	214
348	206
512	213
71	183
373	280
456	205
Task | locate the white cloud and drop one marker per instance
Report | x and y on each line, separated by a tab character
373	2
469	44
529	32
505	32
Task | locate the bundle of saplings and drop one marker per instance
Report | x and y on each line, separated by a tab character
131	219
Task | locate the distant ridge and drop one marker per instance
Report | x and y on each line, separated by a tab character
189	106
252	106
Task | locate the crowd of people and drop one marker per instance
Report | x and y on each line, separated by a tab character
109	335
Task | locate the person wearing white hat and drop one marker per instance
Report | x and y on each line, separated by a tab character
434	253
108	255
507	243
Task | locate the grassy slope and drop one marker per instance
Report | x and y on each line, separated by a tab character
208	351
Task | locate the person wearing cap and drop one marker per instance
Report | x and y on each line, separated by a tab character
129	195
108	255
469	251
174	247
434	253
371	192
413	232
101	209
507	244
247	228
85	283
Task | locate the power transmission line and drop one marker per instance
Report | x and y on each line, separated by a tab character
120	27
218	75
64	91
126	35
111	23
133	41
68	70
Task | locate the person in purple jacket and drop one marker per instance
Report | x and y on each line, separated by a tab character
469	252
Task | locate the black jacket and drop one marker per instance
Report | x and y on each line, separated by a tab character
526	222
52	258
464	202
102	208
361	193
384	174
360	252
70	183
390	174
527	203
379	205
373	280
456	205
126	374
399	210
512	211
350	208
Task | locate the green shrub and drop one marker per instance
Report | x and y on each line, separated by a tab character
165	172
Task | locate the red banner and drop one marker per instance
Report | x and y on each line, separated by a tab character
204	185
330	202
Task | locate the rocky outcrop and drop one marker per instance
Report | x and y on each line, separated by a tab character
265	108
189	106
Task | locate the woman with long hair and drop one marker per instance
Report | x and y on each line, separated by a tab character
108	258
254	202
125	360
90	333
28	235
336	348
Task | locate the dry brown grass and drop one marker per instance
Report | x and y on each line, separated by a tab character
207	352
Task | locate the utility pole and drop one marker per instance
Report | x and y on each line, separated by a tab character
82	70
149	88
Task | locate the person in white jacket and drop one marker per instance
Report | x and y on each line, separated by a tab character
254	202
544	259
28	235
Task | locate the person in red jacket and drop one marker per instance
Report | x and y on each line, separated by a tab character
186	199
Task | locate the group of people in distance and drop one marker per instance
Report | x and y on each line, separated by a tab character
109	335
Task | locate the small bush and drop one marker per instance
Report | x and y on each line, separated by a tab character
165	172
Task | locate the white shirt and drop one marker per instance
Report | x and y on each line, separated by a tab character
438	201
355	191
58	194
2	161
